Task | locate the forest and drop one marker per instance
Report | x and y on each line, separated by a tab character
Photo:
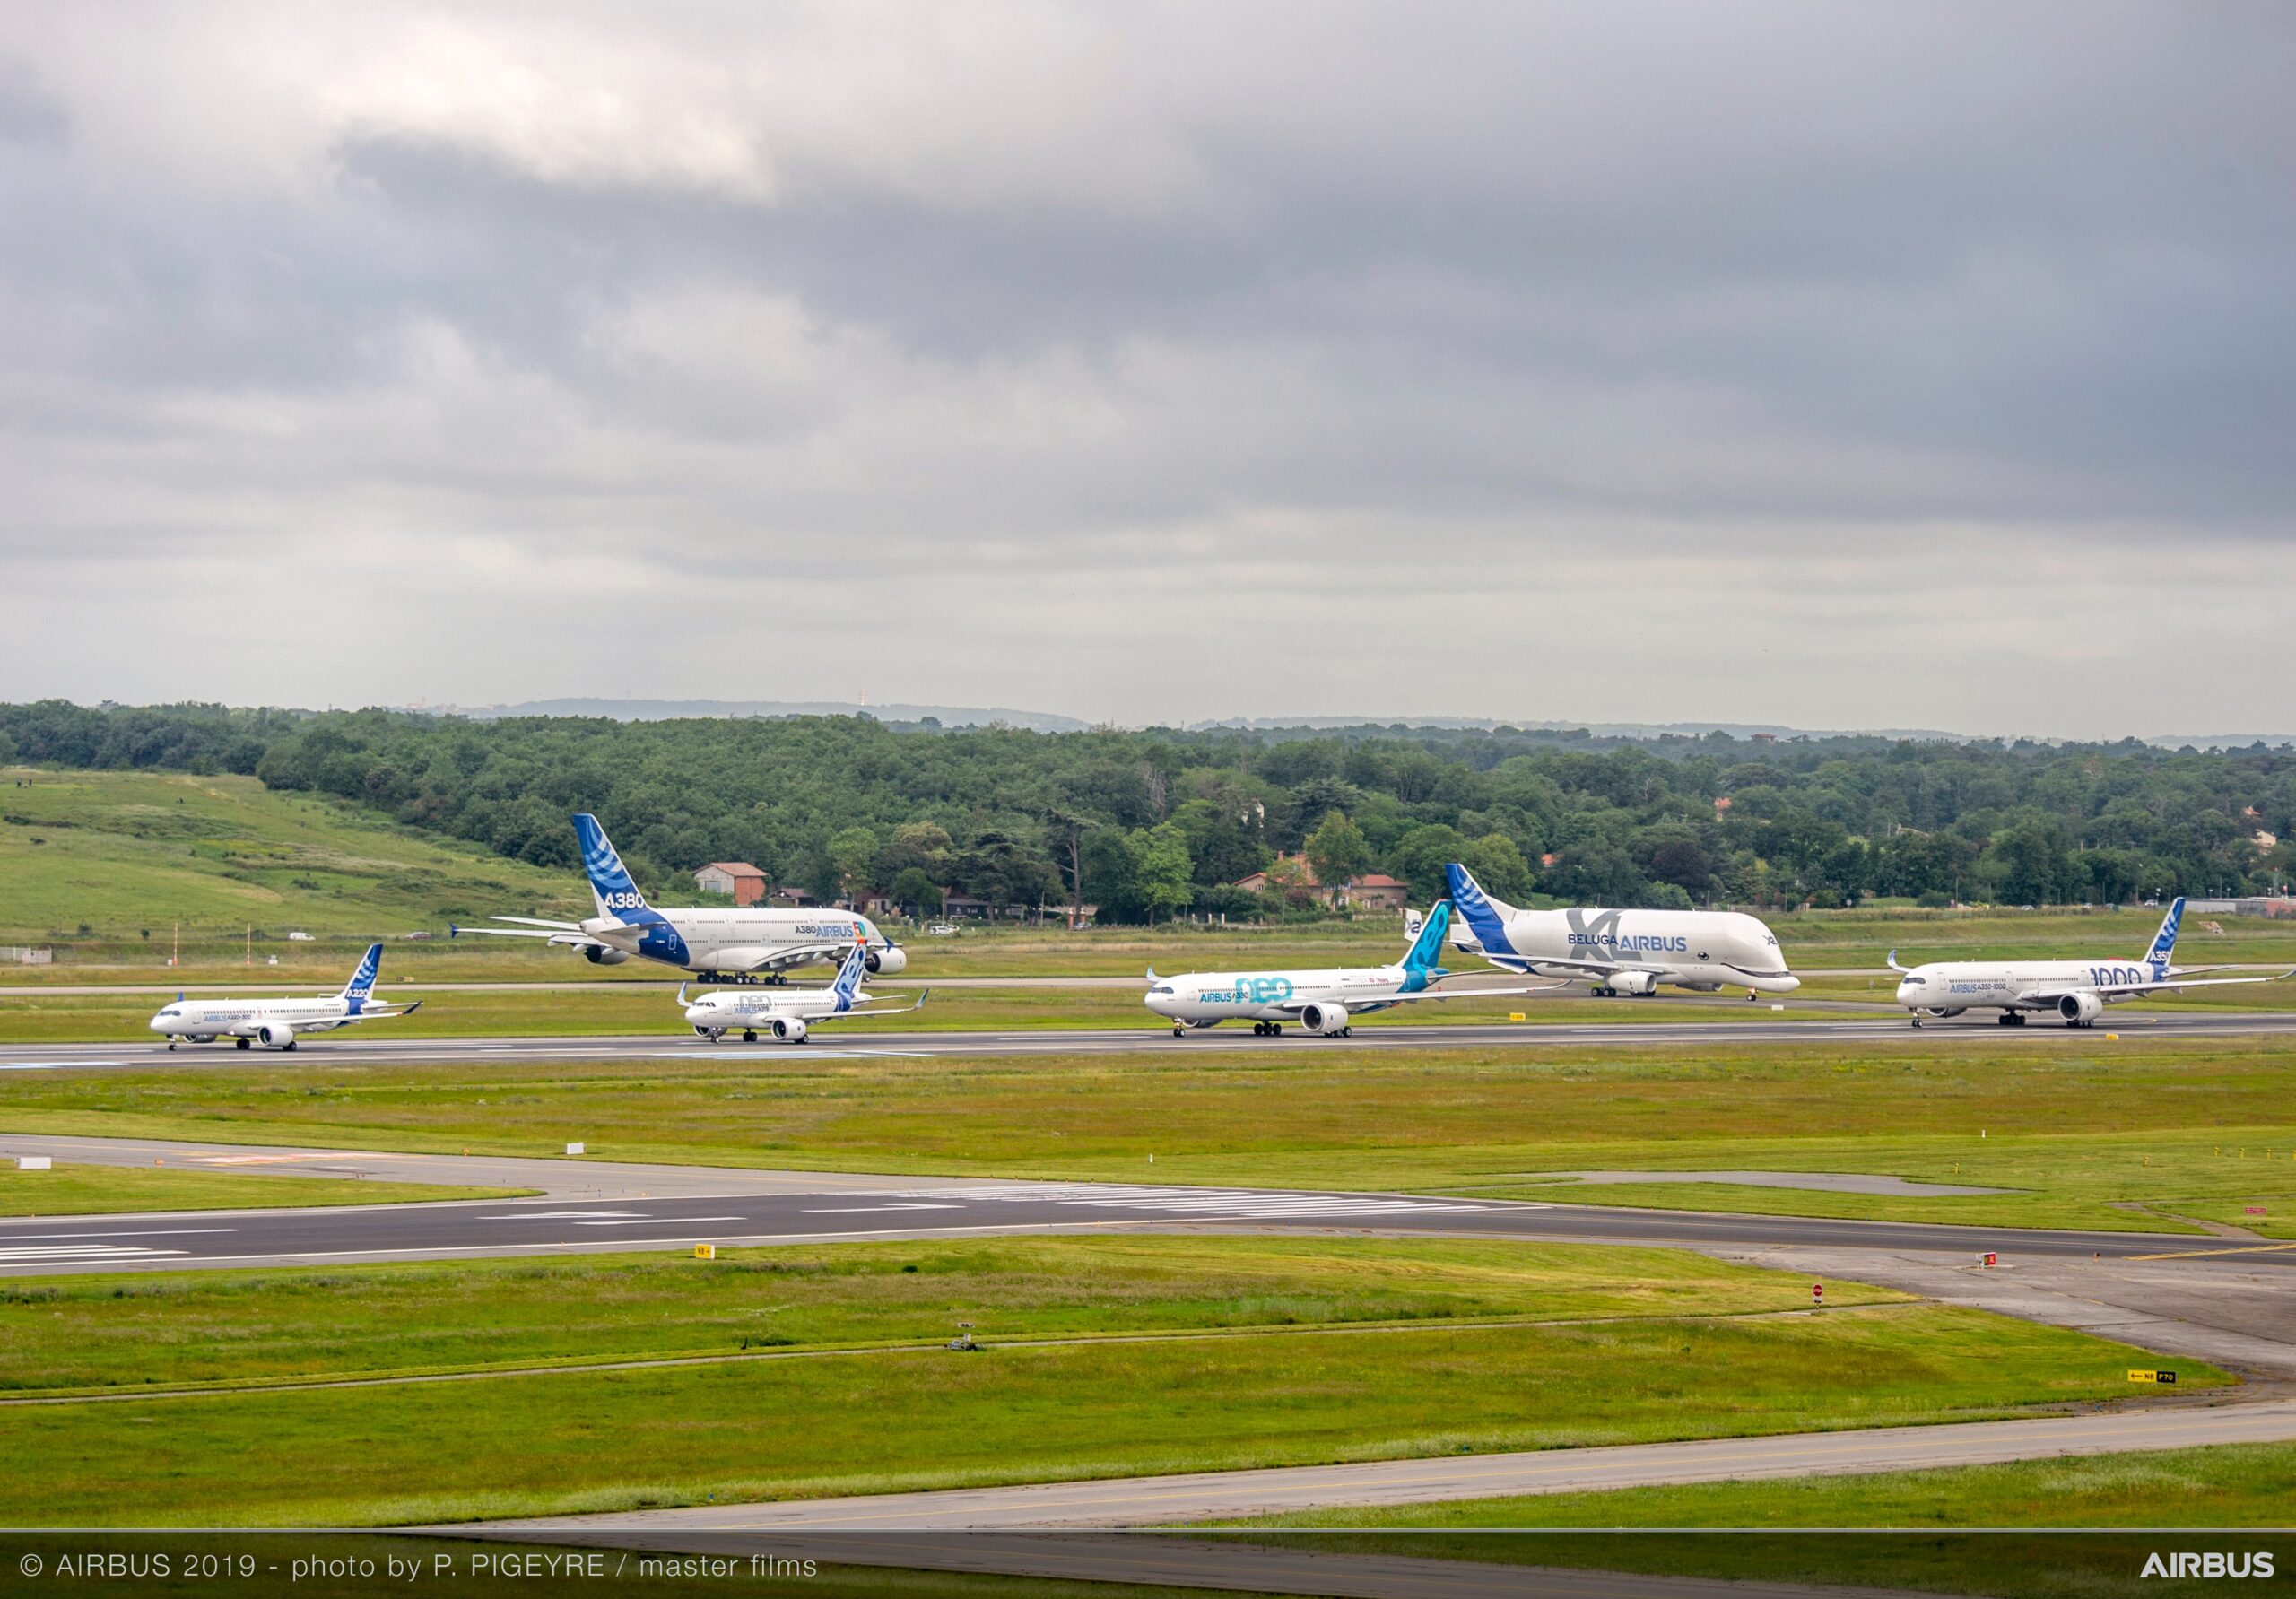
1150	824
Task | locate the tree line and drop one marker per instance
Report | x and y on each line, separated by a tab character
1150	824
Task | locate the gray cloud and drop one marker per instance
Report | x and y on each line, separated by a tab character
1833	365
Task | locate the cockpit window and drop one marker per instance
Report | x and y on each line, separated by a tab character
1162	989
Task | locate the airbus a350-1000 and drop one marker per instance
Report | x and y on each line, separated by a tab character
1323	1002
787	1014
275	1023
1622	952
713	943
2077	990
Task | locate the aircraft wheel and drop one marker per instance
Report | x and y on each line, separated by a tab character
1179	1032
289	1047
1916	1021
244	1044
1275	1029
1346	1032
748	1035
171	1043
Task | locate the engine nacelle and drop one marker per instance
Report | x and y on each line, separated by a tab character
276	1035
889	961
599	955
789	1030
1324	1020
2079	1010
1633	982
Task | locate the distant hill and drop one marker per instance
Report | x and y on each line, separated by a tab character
122	851
1595	729
669	710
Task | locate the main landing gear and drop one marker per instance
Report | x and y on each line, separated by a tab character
245	1043
2013	1018
1267	1029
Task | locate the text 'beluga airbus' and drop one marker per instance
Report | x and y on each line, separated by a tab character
716	944
276	1023
1622	952
787	1014
1323	1002
2077	990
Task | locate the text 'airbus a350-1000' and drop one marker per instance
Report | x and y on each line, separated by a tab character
276	1023
1622	952
723	946
2077	990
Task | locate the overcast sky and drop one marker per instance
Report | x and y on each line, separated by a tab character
1827	364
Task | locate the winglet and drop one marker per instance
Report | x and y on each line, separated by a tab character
1893	963
1151	974
681	994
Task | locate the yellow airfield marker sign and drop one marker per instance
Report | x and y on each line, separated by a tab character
2165	1377
710	1252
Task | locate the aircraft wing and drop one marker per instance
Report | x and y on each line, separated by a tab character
1595	969
772	958
558	932
1397	999
2046	996
918	1004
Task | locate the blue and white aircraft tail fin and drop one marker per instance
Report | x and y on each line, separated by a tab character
1485	916
360	988
848	976
610	881
1427	944
2164	942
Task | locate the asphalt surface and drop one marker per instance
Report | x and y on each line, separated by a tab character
730	1207
1223	1496
1163	1560
370	1044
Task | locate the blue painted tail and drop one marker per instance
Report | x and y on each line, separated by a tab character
360	988
610	880
1485	916
848	976
2164	942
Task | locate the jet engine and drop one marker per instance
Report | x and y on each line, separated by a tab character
600	955
788	1029
2079	1010
889	961
1639	983
277	1035
1324	1020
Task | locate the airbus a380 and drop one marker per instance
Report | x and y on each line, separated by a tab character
711	942
1323	1002
788	1014
2077	990
275	1023
1622	952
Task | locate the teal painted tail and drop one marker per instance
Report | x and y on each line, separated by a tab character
1427	949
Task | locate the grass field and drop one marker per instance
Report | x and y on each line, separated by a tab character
2241	1485
891	1420
124	853
2083	1132
90	1334
71	1190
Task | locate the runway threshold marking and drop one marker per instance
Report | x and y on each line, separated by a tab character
153	1232
2199	1254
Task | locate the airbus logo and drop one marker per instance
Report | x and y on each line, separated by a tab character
2211	1563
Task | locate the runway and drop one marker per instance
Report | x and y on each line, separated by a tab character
678	1207
1225	1496
829	1043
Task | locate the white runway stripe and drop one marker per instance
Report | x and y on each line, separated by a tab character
62	1254
1217	1202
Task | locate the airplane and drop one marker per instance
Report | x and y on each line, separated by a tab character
1621	951
1325	1003
718	946
275	1023
2077	990
788	1015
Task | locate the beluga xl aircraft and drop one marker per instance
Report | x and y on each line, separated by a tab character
275	1023
788	1014
2077	990
1622	952
1323	1002
722	945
